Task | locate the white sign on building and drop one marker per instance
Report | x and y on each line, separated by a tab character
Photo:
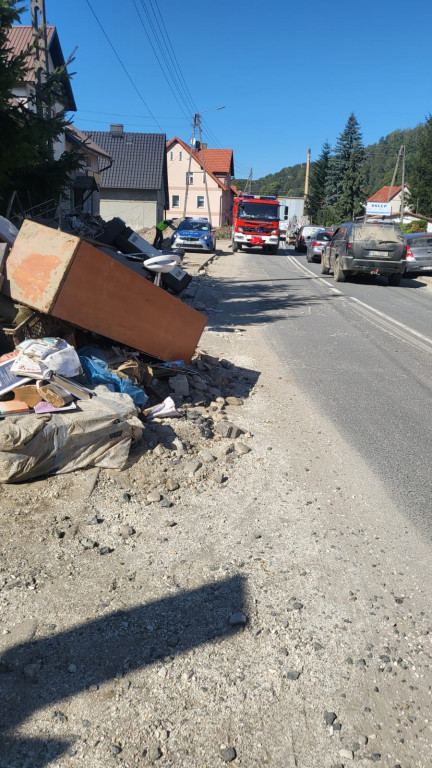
378	209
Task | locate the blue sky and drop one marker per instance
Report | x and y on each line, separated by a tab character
288	74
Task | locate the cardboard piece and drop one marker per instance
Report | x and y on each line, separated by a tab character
64	276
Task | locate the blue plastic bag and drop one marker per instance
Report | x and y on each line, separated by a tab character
95	368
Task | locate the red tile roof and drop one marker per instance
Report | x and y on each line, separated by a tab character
217	160
382	195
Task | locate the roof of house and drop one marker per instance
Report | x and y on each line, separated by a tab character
139	159
20	39
382	195
217	160
84	141
213	165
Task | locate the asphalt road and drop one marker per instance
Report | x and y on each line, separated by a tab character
362	350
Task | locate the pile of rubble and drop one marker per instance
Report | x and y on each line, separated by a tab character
98	355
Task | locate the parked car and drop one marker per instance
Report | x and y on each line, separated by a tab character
369	247
194	234
302	236
316	244
419	253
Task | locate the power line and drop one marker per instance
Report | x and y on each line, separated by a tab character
123	67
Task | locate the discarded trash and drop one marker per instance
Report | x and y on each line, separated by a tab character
98	434
96	369
162	410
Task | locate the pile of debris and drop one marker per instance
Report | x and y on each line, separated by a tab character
86	331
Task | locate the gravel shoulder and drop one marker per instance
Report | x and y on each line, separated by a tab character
273	609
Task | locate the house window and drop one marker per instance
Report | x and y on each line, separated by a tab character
171	155
175	201
189	177
200	201
180	155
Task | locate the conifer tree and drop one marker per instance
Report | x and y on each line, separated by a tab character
344	182
420	177
27	134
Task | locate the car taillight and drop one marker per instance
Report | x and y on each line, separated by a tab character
316	242
409	254
302	238
349	246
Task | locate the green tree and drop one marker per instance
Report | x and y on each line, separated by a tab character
345	180
316	196
420	178
27	132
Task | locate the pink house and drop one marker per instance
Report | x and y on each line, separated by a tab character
219	169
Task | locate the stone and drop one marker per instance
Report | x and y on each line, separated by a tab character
293	674
153	497
219	477
159	450
228	429
31	671
154	753
126	531
179	384
88	543
126	496
228	754
234	400
166	503
346	754
207	457
193	466
237	619
330	717
242	448
172	485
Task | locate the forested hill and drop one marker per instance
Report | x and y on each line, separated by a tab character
378	169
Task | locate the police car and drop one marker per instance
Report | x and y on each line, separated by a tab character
194	234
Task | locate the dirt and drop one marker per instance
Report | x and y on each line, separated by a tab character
273	609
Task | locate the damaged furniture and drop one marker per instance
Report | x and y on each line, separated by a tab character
60	274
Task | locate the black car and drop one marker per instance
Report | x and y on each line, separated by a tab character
366	247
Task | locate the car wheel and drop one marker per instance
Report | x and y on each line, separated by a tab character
395	279
235	247
338	273
324	270
411	275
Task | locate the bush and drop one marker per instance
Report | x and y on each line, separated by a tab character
224	233
419	225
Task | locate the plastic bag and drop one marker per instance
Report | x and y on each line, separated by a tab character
95	368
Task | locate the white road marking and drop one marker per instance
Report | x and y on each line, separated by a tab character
388	320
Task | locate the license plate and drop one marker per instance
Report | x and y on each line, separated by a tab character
381	254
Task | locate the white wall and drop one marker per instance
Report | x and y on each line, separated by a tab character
131	206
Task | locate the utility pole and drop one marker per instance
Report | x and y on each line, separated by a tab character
395	172
248	187
38	22
306	187
204	168
403	184
192	143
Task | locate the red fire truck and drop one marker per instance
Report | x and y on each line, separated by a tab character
255	222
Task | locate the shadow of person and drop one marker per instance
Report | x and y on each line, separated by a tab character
44	671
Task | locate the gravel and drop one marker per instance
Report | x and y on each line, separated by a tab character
133	658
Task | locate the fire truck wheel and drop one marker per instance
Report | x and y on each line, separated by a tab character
235	247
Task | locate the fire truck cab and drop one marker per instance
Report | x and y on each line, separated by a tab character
255	223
